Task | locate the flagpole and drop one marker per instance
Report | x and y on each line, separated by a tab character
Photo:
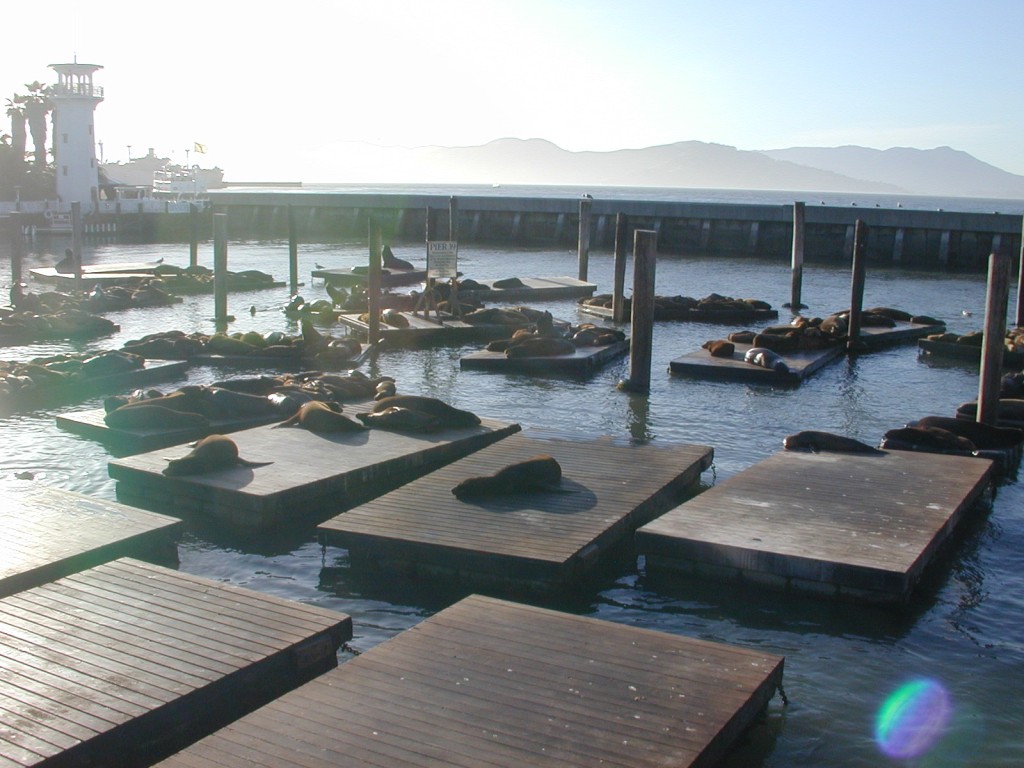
186	159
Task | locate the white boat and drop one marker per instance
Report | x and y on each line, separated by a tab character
161	178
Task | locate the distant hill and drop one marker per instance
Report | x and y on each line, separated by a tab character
696	164
940	171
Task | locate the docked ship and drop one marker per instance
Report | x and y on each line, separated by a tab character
161	178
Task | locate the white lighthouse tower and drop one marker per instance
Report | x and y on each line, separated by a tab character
74	99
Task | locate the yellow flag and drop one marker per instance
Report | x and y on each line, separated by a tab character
200	148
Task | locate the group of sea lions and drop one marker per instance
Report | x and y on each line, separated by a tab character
1012	342
42	372
711	303
546	338
24	327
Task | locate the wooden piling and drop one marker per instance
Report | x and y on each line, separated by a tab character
619	280
220	270
17	254
76	244
1020	279
453	218
799	216
998	293
193	244
583	248
293	253
373	281
860	238
645	257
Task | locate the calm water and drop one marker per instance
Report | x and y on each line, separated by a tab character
963	630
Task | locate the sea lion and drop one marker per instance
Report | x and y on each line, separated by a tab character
926	439
766	358
539	346
388	260
984	436
539	473
211	454
398	419
720	348
150	416
813	440
317	416
1007	409
448	415
508	282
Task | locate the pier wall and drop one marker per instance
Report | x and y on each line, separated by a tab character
914	239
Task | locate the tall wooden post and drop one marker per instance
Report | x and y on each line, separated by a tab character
860	237
999	267
17	255
220	271
373	282
293	253
76	244
645	257
583	248
1020	279
453	218
193	243
798	257
619	278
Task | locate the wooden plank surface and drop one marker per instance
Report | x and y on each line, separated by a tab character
48	533
700	364
425	328
312	477
544	539
533	289
493	683
90	424
862	525
347	277
151	661
582	361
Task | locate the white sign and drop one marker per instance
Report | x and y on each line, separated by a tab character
442	259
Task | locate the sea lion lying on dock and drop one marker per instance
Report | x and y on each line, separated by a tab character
984	436
926	439
766	358
719	348
448	415
211	454
388	260
317	416
539	473
814	440
398	419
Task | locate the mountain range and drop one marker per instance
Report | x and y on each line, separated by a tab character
941	171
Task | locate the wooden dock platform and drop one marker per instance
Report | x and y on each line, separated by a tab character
532	289
127	663
493	683
967	353
312	477
700	363
537	540
582	362
347	277
48	533
857	526
691	315
124	442
430	328
80	389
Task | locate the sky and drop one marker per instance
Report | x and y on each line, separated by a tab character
288	91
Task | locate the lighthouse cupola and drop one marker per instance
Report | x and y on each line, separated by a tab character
74	100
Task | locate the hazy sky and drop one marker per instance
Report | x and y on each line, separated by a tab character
273	89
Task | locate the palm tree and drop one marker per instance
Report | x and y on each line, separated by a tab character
19	138
37	105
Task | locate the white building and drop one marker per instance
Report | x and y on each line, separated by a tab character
74	100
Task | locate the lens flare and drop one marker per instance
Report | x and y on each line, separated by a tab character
913	718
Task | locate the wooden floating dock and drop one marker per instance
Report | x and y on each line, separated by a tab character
91	272
857	526
532	289
80	389
692	315
538	540
127	663
312	477
968	353
48	533
430	328
493	683
347	277
124	442
802	364
584	361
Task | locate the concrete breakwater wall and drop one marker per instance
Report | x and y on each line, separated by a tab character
944	240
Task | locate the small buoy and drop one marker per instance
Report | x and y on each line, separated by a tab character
252	310
966	313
